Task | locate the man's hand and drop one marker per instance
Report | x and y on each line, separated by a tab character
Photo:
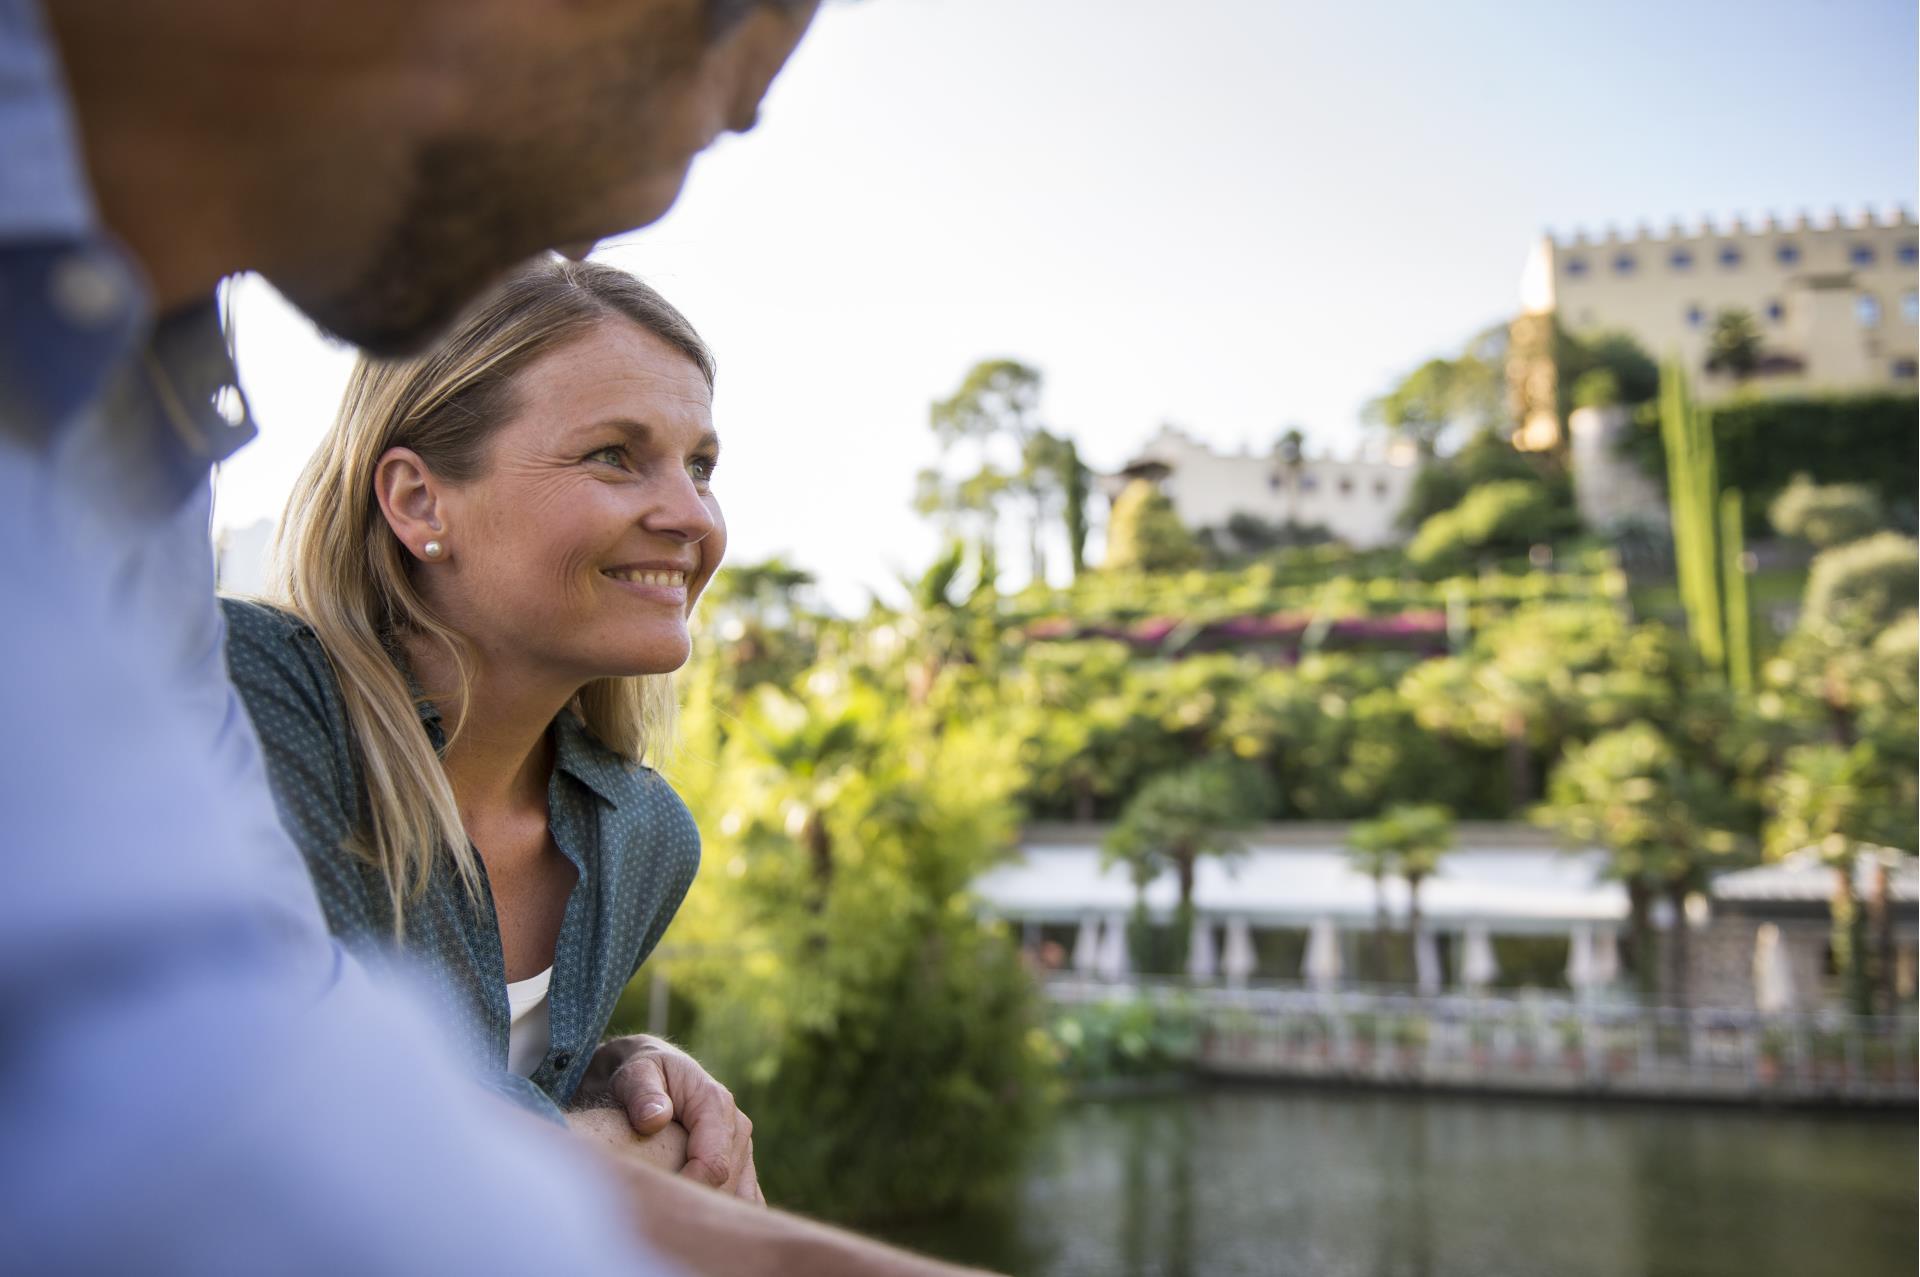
656	1083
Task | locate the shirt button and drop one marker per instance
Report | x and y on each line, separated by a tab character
561	1061
88	289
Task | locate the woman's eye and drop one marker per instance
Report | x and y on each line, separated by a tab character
702	468
613	454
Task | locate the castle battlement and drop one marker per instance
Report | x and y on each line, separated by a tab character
1736	226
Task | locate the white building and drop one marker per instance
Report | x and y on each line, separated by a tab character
1356	499
240	557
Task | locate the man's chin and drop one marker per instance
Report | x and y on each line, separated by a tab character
389	322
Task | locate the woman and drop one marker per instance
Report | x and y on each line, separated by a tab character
484	581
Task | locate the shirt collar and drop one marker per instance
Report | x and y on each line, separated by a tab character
581	756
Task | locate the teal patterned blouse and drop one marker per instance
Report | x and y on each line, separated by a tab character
631	840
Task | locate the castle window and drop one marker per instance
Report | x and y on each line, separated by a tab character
1309	482
1866	308
1680	259
1273	483
1729	256
1787	254
1776	312
1576	266
1346	486
1380	489
1909	253
1910	306
1861	254
1906	369
1623	264
1695	317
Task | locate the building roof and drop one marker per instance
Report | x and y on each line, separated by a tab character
1803	878
1512	878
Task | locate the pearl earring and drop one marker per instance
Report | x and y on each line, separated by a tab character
433	549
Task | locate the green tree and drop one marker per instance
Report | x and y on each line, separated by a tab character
1663	821
840	975
1145	535
994	417
1444	394
1826	515
1841	803
1863	584
1408	841
1496	519
1175	819
1734	344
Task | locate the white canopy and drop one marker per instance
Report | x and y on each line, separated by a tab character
1511	878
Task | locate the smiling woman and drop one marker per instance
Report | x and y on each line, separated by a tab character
483	585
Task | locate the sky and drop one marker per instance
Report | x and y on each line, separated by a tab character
1236	217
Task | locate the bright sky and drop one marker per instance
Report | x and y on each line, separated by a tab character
1233	216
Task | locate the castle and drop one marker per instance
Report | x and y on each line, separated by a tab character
1356	500
1834	303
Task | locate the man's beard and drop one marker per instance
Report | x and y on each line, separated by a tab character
465	224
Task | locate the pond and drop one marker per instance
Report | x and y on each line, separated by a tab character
1220	1182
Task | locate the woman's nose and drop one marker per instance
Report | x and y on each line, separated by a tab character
680	510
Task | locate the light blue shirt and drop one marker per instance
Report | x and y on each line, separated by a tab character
194	1078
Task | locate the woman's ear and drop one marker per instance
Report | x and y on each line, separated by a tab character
410	500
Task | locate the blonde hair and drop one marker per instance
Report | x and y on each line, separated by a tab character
339	567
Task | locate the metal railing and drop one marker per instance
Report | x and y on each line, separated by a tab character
1534	1042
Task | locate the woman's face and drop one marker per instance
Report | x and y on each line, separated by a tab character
581	549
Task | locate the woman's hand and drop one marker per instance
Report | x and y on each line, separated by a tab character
656	1083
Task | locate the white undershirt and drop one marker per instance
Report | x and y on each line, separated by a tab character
529	1033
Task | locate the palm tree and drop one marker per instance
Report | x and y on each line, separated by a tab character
1176	818
1839	804
1657	816
1408	840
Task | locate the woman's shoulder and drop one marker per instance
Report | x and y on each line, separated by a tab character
256	625
273	656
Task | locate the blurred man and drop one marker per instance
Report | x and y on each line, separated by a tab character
192	1076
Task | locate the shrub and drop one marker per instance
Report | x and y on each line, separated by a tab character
1865	583
1495	519
1826	515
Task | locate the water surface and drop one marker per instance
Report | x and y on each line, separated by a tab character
1214	1183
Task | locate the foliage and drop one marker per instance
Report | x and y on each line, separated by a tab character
885	1040
1145	535
1441	394
1486	458
1863	584
1407	840
1106	1041
1176	818
1495	519
1826	515
1762	444
1665	820
1734	344
1248	535
1602	369
1694	504
1839	802
994	416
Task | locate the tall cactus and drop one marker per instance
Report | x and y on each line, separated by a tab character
1693	504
